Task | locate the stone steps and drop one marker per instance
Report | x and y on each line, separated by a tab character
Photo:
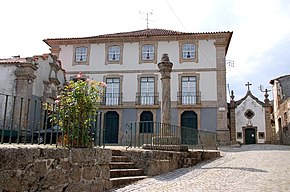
120	165
123	171
122	181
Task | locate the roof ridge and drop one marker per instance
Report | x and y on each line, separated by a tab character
140	33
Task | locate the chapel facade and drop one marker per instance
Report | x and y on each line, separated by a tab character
250	119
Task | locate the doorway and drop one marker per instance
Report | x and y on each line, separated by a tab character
189	133
111	127
250	136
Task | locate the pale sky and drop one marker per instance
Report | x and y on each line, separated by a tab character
260	46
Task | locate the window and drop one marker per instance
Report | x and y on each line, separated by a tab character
188	90
114	53
147	90
148	52
249	114
188	51
112	95
261	135
81	54
239	135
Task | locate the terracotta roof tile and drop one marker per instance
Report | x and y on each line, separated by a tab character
13	60
139	33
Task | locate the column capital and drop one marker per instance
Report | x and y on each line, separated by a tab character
165	66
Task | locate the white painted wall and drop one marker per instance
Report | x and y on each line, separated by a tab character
208	86
7	79
206	59
130	87
7	87
258	120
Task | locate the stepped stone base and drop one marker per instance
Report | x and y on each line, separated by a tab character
182	148
166	140
166	143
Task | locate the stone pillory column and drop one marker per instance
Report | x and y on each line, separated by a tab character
167	138
165	68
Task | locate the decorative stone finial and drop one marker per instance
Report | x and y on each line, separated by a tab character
165	57
266	100
232	95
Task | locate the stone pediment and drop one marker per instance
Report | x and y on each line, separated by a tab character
249	94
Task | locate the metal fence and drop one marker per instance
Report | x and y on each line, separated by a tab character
149	133
29	121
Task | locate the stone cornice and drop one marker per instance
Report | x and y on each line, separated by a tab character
141	71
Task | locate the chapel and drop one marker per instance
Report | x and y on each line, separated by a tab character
250	119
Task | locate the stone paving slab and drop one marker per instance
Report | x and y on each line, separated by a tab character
257	168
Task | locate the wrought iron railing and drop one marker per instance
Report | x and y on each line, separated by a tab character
28	121
151	133
188	98
112	99
147	98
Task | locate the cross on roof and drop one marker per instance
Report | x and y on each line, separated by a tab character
248	84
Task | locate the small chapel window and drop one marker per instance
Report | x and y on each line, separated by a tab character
239	135
261	135
249	114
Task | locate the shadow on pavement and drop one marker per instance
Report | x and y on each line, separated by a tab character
238	168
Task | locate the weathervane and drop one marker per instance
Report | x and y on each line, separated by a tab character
147	17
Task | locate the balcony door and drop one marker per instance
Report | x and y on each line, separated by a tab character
147	90
112	95
188	90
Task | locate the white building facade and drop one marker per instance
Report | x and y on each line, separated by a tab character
127	63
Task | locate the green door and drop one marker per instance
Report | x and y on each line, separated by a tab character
146	122
189	134
250	137
111	127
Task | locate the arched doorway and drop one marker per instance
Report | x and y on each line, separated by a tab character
189	134
250	136
111	127
146	122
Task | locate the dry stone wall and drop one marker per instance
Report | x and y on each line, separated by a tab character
54	169
156	162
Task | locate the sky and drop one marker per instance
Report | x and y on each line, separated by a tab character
259	50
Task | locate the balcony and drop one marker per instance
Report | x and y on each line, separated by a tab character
188	98
111	99
147	98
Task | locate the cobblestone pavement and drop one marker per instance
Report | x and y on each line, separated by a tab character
248	168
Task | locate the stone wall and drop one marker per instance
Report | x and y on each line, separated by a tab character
54	169
156	162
